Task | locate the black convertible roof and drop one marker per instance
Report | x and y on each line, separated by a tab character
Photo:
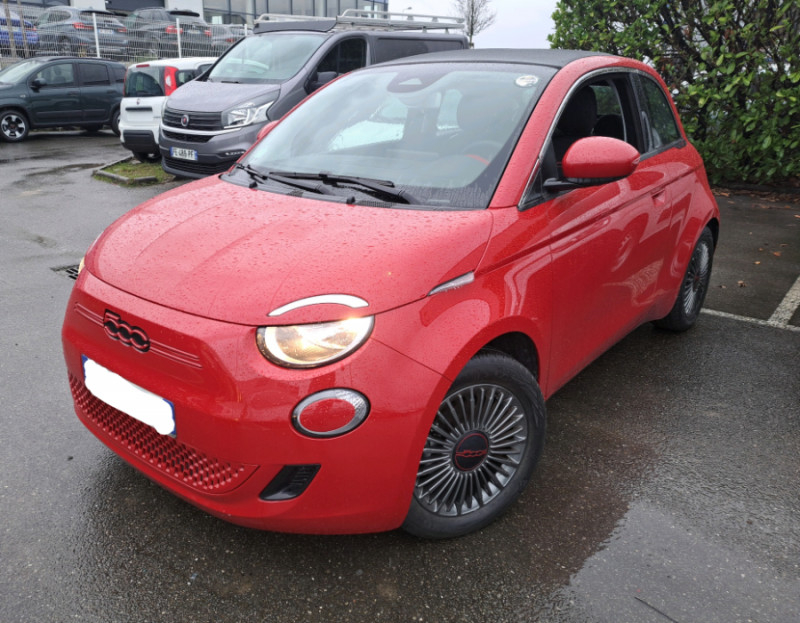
548	57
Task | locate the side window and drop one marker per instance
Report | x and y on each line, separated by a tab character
658	123
389	49
348	55
58	75
93	74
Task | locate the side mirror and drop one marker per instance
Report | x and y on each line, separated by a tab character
321	78
38	83
593	161
265	130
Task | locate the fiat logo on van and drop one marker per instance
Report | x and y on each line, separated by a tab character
185	121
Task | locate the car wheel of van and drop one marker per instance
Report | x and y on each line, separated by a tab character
694	287
65	47
13	126
115	122
481	450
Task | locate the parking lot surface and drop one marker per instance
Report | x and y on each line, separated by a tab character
667	490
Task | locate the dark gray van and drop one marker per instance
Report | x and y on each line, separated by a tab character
210	122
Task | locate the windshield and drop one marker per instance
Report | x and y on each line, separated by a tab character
439	134
18	72
273	57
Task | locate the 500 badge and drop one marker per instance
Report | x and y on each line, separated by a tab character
126	334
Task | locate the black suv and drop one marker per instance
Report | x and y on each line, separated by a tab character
156	32
59	91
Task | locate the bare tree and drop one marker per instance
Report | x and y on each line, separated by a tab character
477	14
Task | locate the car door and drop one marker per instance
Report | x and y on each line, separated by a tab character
98	92
608	243
55	96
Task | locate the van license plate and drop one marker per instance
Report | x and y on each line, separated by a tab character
183	154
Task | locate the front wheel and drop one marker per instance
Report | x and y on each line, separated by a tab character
481	450
13	126
694	287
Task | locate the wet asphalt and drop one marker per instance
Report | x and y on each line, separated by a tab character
667	491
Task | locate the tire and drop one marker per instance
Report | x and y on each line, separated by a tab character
14	126
694	287
115	122
481	450
65	47
143	156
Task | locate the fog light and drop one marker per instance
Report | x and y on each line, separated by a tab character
234	154
330	413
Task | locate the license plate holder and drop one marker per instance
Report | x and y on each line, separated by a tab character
137	402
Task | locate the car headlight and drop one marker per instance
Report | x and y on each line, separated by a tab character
245	114
312	345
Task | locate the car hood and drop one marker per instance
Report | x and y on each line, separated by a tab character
205	96
229	253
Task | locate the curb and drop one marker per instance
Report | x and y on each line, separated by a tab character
121	179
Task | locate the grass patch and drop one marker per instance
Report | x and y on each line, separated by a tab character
135	172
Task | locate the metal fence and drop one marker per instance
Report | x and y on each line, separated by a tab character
34	31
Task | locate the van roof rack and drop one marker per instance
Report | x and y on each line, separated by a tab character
362	19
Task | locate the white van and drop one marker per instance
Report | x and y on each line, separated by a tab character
147	85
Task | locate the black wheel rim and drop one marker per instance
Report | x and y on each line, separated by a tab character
696	282
474	449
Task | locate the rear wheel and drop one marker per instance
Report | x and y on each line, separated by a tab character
13	126
481	450
694	287
115	122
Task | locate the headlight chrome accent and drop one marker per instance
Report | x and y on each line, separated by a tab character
347	300
245	114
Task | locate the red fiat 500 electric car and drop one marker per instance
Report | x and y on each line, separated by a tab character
356	327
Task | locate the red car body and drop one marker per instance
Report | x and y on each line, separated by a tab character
172	295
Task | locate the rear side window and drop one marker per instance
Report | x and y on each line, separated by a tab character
388	49
93	74
658	123
144	82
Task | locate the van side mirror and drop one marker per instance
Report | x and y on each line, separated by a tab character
593	161
321	78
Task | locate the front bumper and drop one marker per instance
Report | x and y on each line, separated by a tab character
216	153
233	433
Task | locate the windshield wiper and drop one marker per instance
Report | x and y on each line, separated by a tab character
259	177
384	188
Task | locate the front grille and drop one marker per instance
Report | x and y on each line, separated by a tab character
167	454
197	167
187	138
208	121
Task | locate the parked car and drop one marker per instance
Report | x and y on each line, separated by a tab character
147	86
57	91
69	31
156	32
355	330
209	124
224	36
26	39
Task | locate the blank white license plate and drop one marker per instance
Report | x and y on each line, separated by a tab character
123	395
183	154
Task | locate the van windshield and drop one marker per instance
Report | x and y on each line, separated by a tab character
272	57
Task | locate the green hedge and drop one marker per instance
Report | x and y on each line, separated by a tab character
733	67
